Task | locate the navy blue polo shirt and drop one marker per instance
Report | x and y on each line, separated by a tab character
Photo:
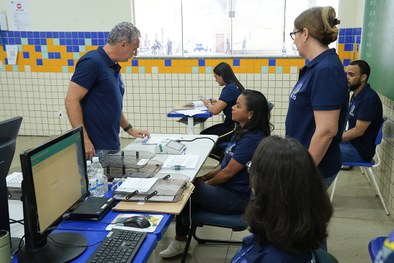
366	106
322	85
229	94
252	252
102	105
242	152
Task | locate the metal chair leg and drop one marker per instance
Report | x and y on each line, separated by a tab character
333	188
189	239
378	190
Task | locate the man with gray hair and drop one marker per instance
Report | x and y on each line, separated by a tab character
94	99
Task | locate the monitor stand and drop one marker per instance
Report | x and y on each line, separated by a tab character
60	247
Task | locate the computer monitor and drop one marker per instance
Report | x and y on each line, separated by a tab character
8	133
54	181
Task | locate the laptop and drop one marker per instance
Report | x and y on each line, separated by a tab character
93	208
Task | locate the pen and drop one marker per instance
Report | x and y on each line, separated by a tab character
177	167
149	196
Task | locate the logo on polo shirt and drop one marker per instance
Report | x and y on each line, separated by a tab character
295	91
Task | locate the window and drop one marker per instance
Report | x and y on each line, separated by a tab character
219	27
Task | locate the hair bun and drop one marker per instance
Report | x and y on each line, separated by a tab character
333	21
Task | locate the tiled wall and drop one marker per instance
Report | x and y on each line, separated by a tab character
59	52
348	43
35	88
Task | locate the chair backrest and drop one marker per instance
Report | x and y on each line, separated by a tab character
322	256
270	105
379	136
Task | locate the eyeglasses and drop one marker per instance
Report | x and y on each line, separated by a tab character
292	34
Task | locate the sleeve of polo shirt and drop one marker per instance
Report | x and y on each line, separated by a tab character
327	91
86	72
245	148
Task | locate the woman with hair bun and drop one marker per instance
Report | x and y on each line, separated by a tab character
318	102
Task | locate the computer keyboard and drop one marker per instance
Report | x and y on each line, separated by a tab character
14	180
119	246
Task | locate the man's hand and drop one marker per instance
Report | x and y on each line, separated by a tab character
139	133
89	149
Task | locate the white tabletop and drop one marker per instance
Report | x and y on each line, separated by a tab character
202	146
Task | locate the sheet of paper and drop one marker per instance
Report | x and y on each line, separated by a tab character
183	161
12	54
158	140
143	185
190	112
200	105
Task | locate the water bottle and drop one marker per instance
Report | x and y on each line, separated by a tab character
96	164
91	178
102	182
101	179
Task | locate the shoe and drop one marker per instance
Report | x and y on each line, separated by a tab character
346	167
174	249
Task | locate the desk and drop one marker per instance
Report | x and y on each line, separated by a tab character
202	146
94	237
190	119
96	230
93	231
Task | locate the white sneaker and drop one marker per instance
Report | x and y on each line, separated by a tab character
174	249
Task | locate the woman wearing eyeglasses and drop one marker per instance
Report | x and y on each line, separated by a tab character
226	188
318	102
289	215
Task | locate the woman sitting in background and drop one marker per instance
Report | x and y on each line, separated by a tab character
226	189
289	215
224	76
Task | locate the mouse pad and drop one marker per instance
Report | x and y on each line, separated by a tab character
118	222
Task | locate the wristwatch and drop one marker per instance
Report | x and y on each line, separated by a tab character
128	127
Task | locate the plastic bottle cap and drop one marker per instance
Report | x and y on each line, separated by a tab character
88	162
95	159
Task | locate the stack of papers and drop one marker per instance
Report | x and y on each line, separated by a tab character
200	105
183	161
142	185
193	108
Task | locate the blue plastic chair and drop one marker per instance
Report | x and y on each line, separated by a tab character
201	217
374	246
366	169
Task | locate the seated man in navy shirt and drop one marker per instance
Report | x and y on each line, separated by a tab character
365	116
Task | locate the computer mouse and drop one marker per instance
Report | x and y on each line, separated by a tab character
137	221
